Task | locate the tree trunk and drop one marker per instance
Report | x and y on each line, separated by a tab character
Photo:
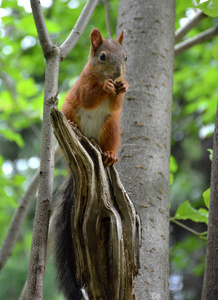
146	130
211	271
35	279
105	228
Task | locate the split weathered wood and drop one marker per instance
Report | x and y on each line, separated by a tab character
105	227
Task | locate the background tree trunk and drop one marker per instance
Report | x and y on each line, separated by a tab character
146	130
211	270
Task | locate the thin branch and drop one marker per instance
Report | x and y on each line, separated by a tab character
36	271
18	219
182	31
78	29
23	293
107	18
43	35
9	84
203	286
200	234
48	252
199	39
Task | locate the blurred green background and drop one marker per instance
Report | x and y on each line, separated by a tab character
22	68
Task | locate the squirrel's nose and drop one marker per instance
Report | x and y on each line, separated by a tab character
118	71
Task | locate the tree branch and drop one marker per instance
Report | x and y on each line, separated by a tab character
48	253
36	271
35	281
43	35
78	29
200	234
18	219
107	15
181	32
199	39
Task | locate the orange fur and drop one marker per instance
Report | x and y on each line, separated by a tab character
110	133
95	101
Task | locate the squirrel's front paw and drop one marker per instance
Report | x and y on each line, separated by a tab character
121	86
110	87
109	158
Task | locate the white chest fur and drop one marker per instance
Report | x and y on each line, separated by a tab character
91	120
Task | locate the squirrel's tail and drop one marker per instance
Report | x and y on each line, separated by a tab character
63	246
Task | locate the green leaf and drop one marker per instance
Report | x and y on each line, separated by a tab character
26	24
12	136
7	200
186	211
206	196
211	153
18	180
6	101
52	26
215	51
173	164
27	87
210	8
171	178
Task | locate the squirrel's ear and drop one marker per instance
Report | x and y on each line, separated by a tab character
121	37
96	38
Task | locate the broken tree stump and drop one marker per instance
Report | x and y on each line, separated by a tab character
105	227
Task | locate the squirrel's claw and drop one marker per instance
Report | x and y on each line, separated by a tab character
121	87
109	86
109	158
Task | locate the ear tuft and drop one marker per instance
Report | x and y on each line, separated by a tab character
96	38
121	37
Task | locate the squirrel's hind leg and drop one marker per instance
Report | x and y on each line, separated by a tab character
110	139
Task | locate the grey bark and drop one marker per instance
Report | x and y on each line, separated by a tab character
211	270
35	280
146	130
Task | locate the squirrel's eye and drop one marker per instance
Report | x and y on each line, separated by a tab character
126	58
102	56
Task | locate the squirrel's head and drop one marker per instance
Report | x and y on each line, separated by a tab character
107	56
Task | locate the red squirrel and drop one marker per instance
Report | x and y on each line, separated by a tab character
94	104
95	101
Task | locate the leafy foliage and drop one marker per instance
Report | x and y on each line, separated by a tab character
206	196
210	8
186	211
21	93
194	109
215	51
